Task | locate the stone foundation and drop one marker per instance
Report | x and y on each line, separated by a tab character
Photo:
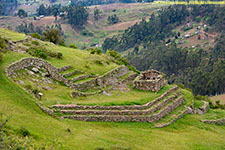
150	80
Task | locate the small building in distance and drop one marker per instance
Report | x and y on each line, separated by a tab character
150	80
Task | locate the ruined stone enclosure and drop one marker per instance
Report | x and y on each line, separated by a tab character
150	80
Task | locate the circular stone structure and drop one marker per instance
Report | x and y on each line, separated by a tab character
150	80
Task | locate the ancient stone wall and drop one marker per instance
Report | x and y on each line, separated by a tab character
64	68
35	62
108	78
175	119
150	80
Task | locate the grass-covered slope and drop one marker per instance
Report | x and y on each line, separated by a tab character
187	133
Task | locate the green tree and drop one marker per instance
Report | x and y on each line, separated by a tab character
53	35
113	19
97	13
22	13
77	16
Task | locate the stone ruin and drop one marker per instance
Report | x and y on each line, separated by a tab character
150	80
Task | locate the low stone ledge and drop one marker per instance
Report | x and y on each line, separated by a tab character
82	77
174	120
64	68
217	122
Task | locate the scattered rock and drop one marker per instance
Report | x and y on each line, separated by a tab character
36	70
30	72
20	82
105	93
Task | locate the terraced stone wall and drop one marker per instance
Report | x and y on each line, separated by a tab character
108	78
35	62
131	107
131	118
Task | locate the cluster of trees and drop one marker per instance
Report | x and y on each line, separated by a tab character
99	2
52	33
22	13
202	71
7	7
113	19
97	13
49	10
77	15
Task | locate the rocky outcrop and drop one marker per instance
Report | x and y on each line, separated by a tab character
202	110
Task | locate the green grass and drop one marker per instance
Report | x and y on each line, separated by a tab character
132	97
10	35
187	133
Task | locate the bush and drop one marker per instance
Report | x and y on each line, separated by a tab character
98	62
94	51
43	53
86	33
36	35
59	55
73	46
24	132
35	43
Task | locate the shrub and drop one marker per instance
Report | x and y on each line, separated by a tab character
87	66
24	132
35	43
86	33
98	62
43	53
28	87
36	35
73	46
59	55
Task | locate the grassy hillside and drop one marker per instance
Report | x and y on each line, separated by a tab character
187	133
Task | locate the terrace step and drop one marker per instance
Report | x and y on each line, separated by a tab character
64	68
147	111
133	107
172	117
81	77
130	118
74	72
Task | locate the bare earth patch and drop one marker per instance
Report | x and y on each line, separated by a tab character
121	26
219	97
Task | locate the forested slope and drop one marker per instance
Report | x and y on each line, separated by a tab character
153	44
